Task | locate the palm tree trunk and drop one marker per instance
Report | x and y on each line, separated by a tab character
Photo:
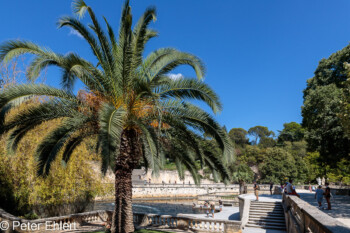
129	156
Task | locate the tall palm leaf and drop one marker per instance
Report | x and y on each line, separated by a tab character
138	112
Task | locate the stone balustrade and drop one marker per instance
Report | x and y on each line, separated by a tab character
72	220
186	223
140	220
302	217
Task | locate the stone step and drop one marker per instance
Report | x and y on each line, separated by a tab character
266	227
267	202
266	217
264	208
268	223
266	211
264	203
272	219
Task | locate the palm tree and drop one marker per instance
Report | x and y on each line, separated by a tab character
135	110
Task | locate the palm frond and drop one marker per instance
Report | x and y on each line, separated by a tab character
111	121
79	7
49	147
25	90
189	89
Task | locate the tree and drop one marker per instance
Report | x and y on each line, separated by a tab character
330	71
279	164
291	132
139	112
325	133
266	142
259	132
241	173
322	110
238	136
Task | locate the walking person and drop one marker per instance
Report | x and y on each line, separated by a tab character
319	195
212	209
256	190
328	196
271	187
206	206
220	205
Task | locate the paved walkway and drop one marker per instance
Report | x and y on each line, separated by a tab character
340	205
264	197
260	230
227	213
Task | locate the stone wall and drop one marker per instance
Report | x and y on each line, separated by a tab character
166	177
149	191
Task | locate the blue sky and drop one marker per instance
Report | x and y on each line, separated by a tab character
258	54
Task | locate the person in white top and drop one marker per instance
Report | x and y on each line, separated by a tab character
291	189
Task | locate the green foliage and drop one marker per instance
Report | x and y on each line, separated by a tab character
31	196
291	132
325	109
324	132
239	136
279	164
259	132
340	174
242	173
266	142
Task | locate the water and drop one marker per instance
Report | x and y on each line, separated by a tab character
161	207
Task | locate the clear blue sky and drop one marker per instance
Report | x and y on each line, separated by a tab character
258	54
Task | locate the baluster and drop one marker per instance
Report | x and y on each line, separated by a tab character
205	225
157	220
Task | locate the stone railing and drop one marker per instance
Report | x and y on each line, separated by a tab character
184	222
74	221
302	217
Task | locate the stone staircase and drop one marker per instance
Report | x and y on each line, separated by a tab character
267	215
